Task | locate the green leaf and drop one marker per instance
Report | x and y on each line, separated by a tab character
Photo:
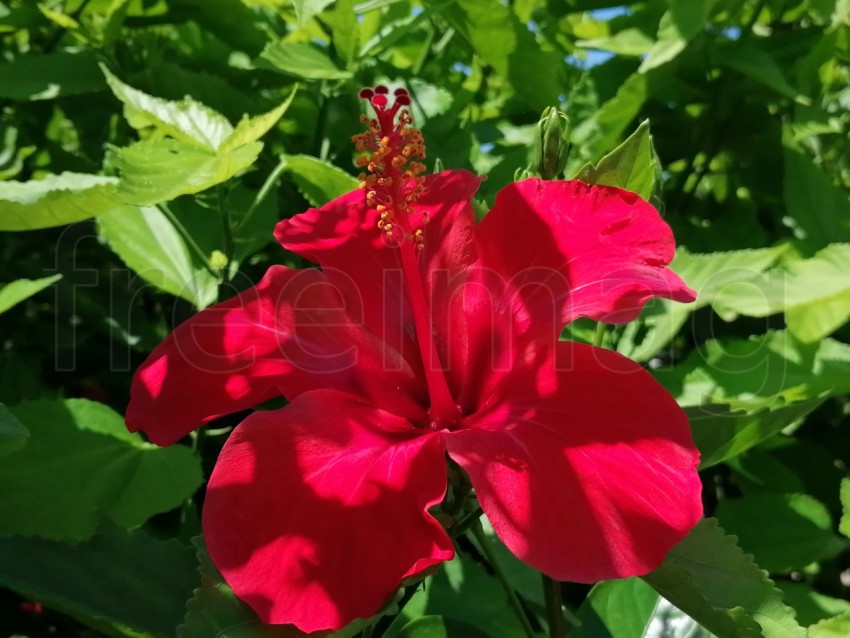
14	293
633	165
13	434
155	171
462	586
816	206
844	525
597	134
811	606
127	578
506	44
45	77
306	9
214	610
679	25
524	579
150	245
721	433
319	181
709	578
300	60
187	120
625	42
766	370
251	129
438	627
235	22
55	200
755	63
345	29
838	627
81	466
709	275
814	294
617	609
784	531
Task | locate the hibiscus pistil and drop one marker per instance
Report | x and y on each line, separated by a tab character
393	184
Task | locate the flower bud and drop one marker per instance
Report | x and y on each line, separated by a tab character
218	260
551	143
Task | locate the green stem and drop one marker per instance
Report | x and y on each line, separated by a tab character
554	607
466	522
599	335
264	191
193	246
513	599
321	121
227	232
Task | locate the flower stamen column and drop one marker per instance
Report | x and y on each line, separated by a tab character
393	184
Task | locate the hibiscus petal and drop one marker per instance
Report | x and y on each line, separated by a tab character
289	334
316	513
586	469
343	237
568	249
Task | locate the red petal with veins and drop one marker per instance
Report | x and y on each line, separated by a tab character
567	249
344	239
316	513
289	334
587	469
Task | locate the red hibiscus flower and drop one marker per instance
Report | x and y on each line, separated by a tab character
425	334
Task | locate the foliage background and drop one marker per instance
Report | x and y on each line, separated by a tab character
125	206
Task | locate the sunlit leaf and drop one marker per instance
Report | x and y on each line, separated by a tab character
711	579
810	605
319	181
187	120
82	466
844	526
505	44
633	165
721	433
250	129
306	9
154	171
15	292
683	20
152	247
299	60
838	627
814	294
784	531
768	370
617	609
55	200
709	274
